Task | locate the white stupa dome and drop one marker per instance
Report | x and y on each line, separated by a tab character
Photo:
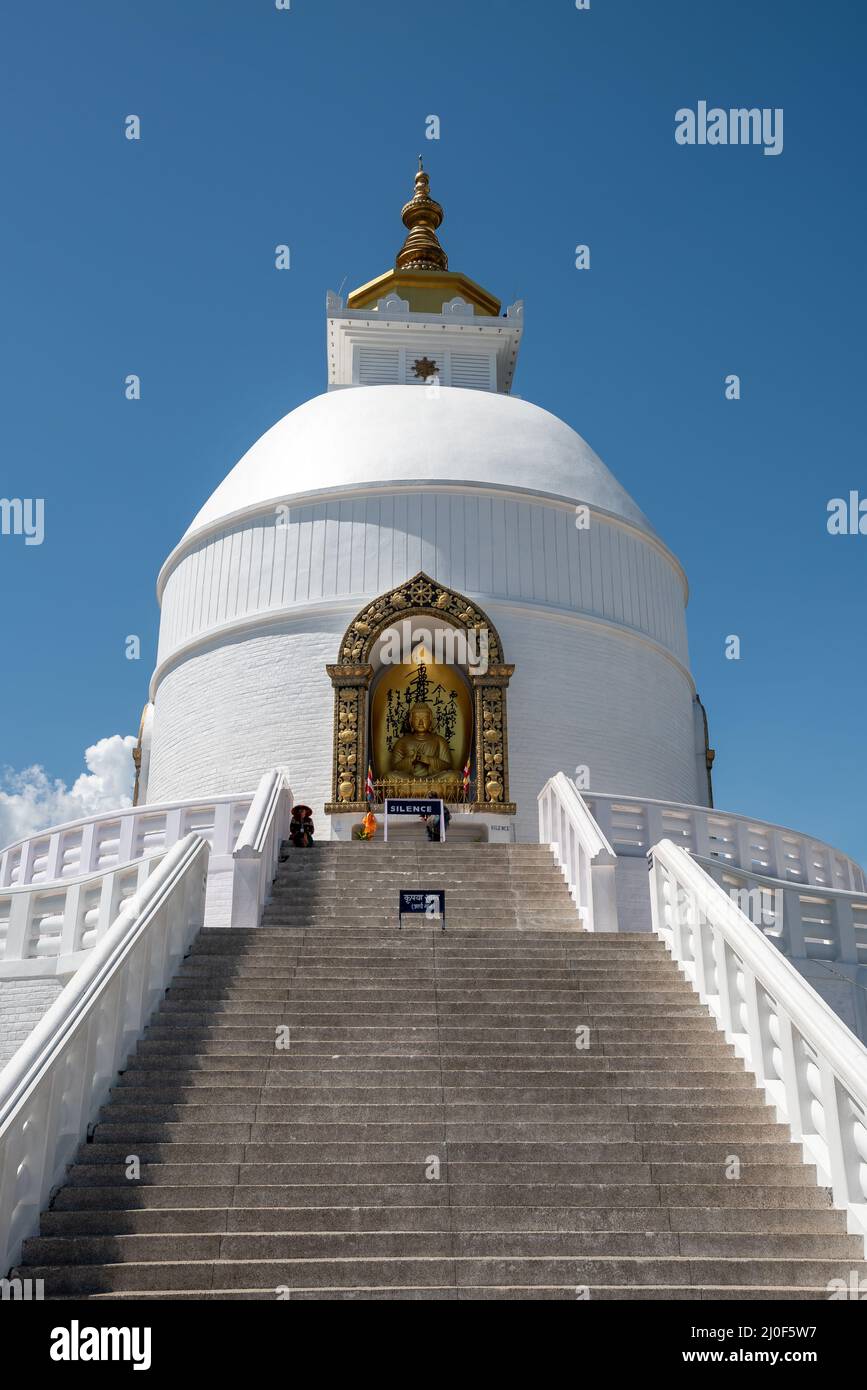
388	435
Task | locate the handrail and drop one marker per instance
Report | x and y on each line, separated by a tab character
76	908
93	843
813	890
809	1064
236	828
257	851
258	820
634	823
144	808
792	926
55	1083
582	851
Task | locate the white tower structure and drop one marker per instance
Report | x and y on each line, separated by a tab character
418	460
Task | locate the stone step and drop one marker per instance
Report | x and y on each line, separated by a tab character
764	1136
537	899
561	963
623	1005
467	893
216	965
541	911
200	1107
631	944
518	945
352	1093
475	1293
454	876
465	1271
662	1053
360	1030
465	884
420	933
267	1068
172	1169
440	993
430	1073
750	1221
517	1196
677	1034
542	899
403	954
355	926
65	1252
381	848
390	981
388	974
106	1149
597	1019
417	945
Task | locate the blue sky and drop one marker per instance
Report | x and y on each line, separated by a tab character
557	127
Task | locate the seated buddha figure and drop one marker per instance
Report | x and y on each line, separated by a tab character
422	752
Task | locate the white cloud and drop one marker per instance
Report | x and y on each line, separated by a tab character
30	800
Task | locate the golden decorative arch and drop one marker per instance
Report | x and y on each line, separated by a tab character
351	677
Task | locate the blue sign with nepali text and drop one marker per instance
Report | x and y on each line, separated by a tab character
429	902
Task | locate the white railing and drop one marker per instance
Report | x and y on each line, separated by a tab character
79	855
257	851
97	843
814	924
582	851
633	824
810	1066
57	1080
48	930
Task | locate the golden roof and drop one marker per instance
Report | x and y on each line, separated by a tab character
421	274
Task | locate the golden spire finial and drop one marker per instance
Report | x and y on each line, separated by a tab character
421	215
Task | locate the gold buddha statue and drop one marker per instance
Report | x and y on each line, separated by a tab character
422	752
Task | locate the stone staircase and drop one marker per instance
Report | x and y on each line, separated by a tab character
432	1131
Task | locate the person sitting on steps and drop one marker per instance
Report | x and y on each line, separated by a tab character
301	827
432	824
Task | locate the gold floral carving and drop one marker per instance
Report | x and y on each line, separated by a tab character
420	595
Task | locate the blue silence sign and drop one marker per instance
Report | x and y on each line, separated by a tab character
414	806
427	902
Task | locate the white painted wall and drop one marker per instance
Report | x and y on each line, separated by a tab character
581	693
584	694
238	707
